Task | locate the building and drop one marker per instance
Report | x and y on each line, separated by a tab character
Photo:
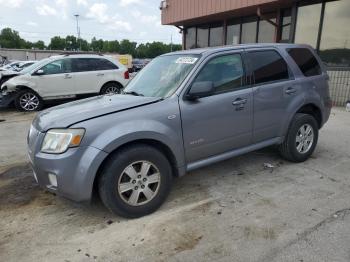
323	24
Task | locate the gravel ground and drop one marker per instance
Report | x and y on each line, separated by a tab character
237	210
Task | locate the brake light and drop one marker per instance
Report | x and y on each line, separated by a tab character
126	75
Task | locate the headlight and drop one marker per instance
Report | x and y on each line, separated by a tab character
4	90
57	141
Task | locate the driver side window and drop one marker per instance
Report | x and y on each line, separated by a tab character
62	66
225	72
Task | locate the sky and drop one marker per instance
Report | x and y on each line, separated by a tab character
136	20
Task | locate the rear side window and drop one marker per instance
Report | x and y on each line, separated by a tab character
104	64
83	65
268	66
306	61
92	64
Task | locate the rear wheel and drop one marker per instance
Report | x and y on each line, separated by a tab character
135	181
111	88
301	139
28	100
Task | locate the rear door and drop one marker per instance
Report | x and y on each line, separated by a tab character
274	90
222	121
57	80
314	77
92	73
86	75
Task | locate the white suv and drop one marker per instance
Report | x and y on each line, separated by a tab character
63	77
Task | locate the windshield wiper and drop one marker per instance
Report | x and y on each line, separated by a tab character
132	93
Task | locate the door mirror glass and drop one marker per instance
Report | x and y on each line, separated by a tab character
200	89
39	72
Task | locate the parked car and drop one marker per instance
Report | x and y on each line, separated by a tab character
183	111
137	65
22	65
10	66
63	77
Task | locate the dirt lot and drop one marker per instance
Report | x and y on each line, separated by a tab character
237	210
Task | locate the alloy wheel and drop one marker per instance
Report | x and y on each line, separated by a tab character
304	139
139	183
29	101
112	90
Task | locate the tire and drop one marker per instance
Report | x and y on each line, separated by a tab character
298	146
114	180
27	100
111	88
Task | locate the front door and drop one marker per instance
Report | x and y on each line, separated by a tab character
56	81
222	121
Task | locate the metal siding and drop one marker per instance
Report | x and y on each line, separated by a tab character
182	10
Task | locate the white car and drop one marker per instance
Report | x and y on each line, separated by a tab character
10	66
63	77
22	65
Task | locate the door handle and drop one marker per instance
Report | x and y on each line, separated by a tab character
67	76
100	74
290	90
239	101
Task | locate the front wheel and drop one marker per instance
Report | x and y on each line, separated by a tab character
135	181
28	100
301	139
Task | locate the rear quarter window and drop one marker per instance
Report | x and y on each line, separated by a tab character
306	61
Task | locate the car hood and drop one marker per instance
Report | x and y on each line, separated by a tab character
65	115
9	72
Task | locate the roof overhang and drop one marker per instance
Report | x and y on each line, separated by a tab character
191	12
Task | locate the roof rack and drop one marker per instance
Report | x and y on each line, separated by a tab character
80	53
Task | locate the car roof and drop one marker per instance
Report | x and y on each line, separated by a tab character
211	50
77	56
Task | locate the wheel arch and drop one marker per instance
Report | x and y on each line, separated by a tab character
309	108
313	110
111	82
20	88
165	149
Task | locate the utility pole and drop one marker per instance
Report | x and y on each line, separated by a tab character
78	30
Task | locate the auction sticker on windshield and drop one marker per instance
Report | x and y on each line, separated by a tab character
186	60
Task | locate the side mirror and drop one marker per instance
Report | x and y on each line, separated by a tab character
200	89
39	72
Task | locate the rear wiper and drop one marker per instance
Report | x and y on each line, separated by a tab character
133	93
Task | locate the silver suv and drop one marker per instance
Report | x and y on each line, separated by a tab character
183	111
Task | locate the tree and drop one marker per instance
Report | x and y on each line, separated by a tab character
10	39
96	45
72	43
114	46
57	43
127	47
38	45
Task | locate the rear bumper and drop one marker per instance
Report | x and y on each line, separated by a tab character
6	100
326	111
74	171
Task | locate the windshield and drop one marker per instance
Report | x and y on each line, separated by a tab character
34	66
162	76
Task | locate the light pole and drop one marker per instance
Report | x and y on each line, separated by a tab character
78	30
171	43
